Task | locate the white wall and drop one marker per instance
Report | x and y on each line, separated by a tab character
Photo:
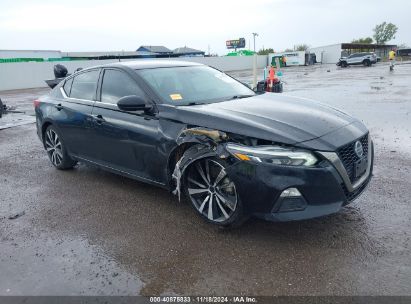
328	53
29	54
23	75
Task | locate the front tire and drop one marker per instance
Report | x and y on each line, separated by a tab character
367	63
212	193
344	64
56	149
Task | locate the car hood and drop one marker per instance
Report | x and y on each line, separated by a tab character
275	117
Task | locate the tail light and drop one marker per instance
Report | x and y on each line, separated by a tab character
36	103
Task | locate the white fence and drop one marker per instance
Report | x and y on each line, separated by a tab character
26	75
328	53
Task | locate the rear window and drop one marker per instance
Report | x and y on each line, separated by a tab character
84	85
67	86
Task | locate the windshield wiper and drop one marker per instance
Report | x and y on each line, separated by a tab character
193	104
240	96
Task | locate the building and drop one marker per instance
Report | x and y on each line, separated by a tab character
108	55
332	53
405	52
187	52
155	50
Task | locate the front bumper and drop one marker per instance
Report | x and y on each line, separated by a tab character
324	188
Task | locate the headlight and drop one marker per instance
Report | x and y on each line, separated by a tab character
273	155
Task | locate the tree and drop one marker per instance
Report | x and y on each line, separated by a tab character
384	32
301	47
366	40
298	47
265	51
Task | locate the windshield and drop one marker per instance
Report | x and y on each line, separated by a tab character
193	85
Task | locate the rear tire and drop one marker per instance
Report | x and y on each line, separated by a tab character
56	149
212	193
366	63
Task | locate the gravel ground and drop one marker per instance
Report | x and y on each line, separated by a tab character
89	232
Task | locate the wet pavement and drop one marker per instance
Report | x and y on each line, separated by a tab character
89	232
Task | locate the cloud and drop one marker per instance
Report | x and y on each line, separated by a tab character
115	25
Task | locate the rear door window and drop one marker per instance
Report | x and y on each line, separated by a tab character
84	85
117	84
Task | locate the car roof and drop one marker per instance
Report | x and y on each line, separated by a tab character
141	64
152	64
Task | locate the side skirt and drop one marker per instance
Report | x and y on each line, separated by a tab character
120	172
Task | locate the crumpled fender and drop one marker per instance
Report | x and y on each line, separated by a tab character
209	143
201	135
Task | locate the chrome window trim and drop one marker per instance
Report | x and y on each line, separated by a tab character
63	92
75	99
333	158
106	103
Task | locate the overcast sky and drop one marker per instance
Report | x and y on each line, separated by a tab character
109	25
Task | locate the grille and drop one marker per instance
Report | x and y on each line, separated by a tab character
348	156
353	195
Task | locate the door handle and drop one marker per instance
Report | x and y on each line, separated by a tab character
98	119
59	107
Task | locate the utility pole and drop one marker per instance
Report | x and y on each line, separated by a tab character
254	35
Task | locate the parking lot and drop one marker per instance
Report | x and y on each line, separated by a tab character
89	232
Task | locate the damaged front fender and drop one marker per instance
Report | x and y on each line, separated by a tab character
202	136
207	143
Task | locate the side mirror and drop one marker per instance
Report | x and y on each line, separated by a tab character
132	103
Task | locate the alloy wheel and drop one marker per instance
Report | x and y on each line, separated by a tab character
211	190
54	147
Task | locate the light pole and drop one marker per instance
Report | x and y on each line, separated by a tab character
254	35
254	64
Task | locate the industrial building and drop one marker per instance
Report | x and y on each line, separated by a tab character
187	52
162	51
55	55
331	53
155	49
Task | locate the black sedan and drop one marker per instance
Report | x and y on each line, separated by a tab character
194	130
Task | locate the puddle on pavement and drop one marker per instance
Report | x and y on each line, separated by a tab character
15	119
67	266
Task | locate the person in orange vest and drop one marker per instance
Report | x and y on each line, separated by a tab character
284	61
271	80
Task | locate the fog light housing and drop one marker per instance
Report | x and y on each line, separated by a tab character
290	192
290	200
